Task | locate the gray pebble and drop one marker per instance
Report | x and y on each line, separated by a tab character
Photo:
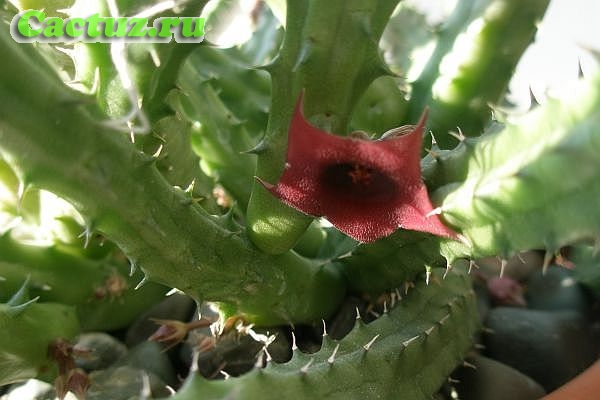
555	290
550	347
150	356
123	383
104	350
491	380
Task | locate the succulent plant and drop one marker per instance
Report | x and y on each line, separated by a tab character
206	170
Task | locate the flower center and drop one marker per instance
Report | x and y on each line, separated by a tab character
357	182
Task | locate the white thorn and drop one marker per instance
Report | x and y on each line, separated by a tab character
428	331
172	392
471	265
190	188
357	314
142	283
324	328
87	233
172	292
158	151
195	358
469	365
294	346
520	257
155	57
433	141
266	351
307	366
368	345
503	264
547	258
459	135
435	211
451	380
448	269
331	358
427	275
375	314
398	294
385	308
260	359
132	268
444	319
409	341
225	374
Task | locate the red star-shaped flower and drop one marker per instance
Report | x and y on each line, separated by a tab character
365	188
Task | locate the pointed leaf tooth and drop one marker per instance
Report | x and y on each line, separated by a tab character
20	296
429	330
225	374
448	269
157	153
194	365
443	320
141	283
260	359
398	294
331	358
294	345
409	341
458	135
471	265
15	310
358	317
469	365
305	368
547	258
503	263
132	268
370	343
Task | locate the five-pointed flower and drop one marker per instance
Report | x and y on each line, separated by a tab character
365	188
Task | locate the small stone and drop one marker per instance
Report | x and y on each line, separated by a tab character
550	347
150	356
555	290
492	380
102	350
123	383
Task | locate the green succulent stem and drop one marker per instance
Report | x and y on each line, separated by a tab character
410	350
533	184
65	149
330	51
470	72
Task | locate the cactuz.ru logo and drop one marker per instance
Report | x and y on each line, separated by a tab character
33	26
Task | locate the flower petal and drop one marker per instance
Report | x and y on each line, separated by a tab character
365	188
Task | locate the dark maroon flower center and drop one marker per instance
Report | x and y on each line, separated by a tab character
357	182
